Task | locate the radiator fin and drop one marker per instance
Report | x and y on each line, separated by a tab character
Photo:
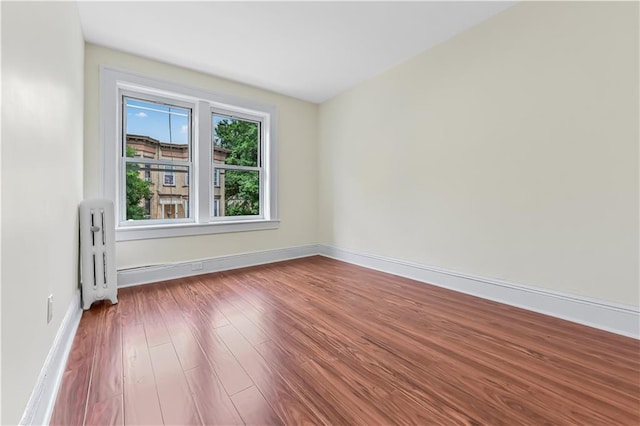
93	237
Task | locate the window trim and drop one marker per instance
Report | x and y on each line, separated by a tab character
113	83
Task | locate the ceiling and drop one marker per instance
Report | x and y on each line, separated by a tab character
309	50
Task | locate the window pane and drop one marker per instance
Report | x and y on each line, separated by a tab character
157	191
155	130
238	193
235	141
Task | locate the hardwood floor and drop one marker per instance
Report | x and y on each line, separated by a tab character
317	341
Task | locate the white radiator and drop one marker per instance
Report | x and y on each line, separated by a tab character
98	252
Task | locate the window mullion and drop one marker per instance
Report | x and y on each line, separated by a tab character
142	160
234	167
203	159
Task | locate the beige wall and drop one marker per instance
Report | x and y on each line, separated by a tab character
297	175
42	120
510	151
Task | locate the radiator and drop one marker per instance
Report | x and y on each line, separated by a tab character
98	252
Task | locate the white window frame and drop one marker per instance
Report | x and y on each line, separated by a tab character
114	84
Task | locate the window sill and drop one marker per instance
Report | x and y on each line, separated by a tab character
131	233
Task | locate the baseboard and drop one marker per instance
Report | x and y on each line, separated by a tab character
612	317
150	274
40	405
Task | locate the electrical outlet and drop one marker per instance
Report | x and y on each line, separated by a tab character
196	266
49	308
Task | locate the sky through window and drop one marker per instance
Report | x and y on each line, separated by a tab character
169	124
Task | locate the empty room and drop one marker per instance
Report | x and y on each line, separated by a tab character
332	213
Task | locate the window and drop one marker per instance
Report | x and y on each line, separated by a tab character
236	153
183	161
168	177
147	208
216	207
156	137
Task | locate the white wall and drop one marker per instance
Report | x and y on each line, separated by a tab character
297	133
510	152
42	121
0	225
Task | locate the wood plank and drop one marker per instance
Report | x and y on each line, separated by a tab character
153	320
291	406
345	396
176	402
141	404
193	299
224	302
107	412
254	409
186	345
213	403
273	324
74	387
106	378
130	311
224	364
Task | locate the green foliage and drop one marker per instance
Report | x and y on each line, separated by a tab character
138	189
242	188
241	138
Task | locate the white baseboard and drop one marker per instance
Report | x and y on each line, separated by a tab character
40	405
616	318
609	316
150	274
